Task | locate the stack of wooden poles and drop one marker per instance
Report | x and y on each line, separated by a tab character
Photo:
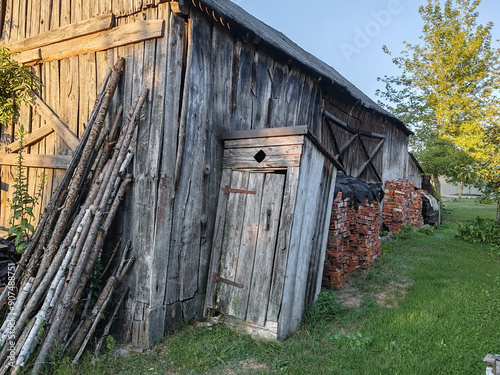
53	305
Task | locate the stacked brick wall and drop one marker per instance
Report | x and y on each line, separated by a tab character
402	205
353	239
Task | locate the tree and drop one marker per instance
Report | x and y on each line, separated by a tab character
441	157
449	84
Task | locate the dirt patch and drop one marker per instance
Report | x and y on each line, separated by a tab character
349	296
388	295
247	366
392	294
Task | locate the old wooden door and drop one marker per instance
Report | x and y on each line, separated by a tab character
249	244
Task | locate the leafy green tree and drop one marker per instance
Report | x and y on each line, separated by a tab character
441	157
449	86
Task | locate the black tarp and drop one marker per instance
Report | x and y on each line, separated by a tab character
357	190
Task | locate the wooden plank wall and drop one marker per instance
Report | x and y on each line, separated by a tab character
69	86
395	155
203	80
308	237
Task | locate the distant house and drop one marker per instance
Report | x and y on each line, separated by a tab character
450	190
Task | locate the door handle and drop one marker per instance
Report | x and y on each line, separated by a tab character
268	219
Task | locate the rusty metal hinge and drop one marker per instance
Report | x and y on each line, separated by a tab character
228	190
216	278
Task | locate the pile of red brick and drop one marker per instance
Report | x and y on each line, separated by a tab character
353	239
402	205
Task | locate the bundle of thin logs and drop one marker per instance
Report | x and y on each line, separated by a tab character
53	306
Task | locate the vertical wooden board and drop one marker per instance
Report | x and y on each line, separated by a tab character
69	98
219	102
72	97
8	16
174	47
233	228
277	103
321	224
188	202
91	83
146	168
39	147
45	12
57	103
262	87
270	214
242	111
83	94
220	109
292	307
76	11
246	256
295	84
309	216
222	62
315	116
86	10
307	101
55	14
158	79
220	220
47	142
65	16
29	22
140	230
21	20
283	244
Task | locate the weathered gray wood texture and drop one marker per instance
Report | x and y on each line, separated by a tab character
308	237
271	233
204	78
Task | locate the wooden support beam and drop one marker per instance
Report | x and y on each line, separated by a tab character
370	158
59	127
346	146
31	138
61	34
119	36
37	161
28	56
346	127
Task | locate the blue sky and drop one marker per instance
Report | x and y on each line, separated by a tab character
349	35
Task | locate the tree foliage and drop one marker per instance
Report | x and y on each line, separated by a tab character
449	89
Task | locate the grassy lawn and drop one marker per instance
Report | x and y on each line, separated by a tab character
468	209
431	305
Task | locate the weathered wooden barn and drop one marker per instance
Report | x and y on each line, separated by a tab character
211	68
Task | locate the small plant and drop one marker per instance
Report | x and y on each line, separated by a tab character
354	341
404	233
22	203
17	84
480	230
326	307
427	230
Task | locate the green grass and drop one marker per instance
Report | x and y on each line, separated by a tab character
445	314
468	209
